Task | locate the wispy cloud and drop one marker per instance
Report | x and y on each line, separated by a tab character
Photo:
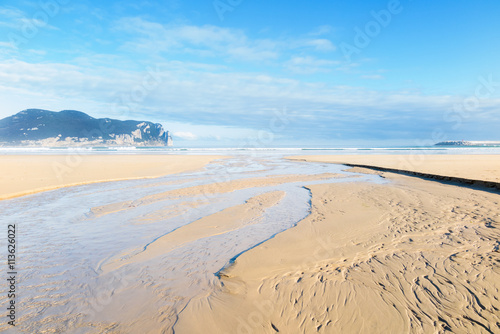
321	30
11	13
16	19
231	100
11	17
309	65
210	97
212	41
8	45
207	40
185	135
318	44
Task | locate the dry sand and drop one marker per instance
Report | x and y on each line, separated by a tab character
412	256
26	174
470	167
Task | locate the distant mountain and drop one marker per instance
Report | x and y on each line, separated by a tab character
468	143
36	127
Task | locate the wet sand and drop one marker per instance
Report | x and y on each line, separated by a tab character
411	256
27	174
389	254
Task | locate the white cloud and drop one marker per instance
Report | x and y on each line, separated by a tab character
183	92
252	54
320	44
219	132
18	20
9	45
207	40
309	65
153	38
11	13
185	135
321	30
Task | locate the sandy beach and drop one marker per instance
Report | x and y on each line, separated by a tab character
250	167
28	174
372	252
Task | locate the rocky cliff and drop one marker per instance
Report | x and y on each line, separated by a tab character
36	127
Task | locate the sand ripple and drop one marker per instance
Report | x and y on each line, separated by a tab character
369	259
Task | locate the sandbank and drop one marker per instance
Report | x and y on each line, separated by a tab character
479	169
27	174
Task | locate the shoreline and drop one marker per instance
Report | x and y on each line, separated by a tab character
30	174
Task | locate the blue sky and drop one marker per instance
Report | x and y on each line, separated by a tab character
262	73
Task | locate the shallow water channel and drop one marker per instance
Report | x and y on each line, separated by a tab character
63	244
